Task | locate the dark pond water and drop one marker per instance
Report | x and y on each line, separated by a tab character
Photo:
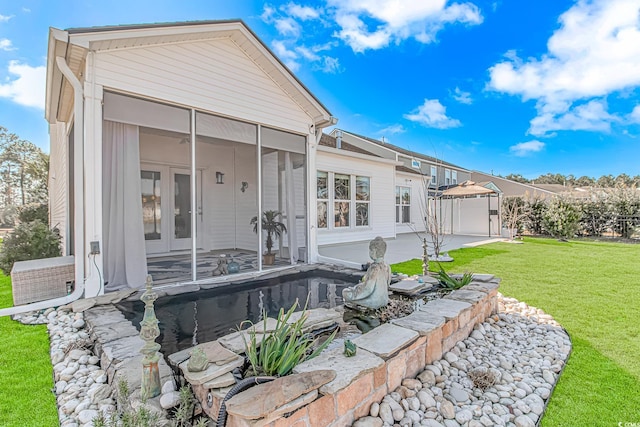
196	317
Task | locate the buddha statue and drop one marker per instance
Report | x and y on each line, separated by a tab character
372	292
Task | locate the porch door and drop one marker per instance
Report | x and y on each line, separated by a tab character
180	197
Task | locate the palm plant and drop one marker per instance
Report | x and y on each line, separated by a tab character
271	225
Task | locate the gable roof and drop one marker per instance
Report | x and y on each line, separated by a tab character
330	141
74	44
405	152
508	187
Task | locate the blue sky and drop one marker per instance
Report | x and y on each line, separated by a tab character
525	87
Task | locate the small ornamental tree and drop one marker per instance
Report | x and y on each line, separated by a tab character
514	213
562	218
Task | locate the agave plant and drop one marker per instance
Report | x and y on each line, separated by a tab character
283	348
454	283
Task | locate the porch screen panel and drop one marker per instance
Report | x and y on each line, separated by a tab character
284	195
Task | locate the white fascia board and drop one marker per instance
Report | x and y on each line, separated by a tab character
360	156
53	73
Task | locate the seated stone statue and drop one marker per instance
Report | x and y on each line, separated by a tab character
372	292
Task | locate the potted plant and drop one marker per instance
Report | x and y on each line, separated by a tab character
272	226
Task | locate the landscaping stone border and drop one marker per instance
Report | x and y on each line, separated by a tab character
385	357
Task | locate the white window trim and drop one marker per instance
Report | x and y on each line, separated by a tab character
399	216
352	201
434	175
454	177
447	177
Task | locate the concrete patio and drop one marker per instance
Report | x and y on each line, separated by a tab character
403	248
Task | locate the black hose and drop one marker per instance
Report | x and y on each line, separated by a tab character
239	387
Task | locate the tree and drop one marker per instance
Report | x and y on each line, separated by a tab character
24	170
514	212
517	178
606	181
551	178
585	181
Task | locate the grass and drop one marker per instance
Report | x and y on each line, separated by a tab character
593	290
26	375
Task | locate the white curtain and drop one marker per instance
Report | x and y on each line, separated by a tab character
125	261
292	232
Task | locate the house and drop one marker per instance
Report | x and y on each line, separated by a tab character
167	140
509	188
416	180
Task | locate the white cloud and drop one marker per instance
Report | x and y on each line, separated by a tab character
595	52
523	149
634	116
392	130
5	18
302	12
591	116
396	20
330	65
462	97
289	57
433	114
287	26
29	86
5	44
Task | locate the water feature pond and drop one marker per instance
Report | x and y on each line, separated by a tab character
196	317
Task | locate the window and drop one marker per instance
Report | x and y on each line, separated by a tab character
363	196
434	175
454	177
403	205
447	177
323	198
344	197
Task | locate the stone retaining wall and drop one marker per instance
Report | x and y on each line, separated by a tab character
385	356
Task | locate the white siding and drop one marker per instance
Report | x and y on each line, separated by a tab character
59	181
246	204
382	208
213	75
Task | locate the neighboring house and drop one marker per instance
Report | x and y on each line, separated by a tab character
418	176
510	188
163	132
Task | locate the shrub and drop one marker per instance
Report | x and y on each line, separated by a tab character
562	218
626	205
33	212
597	215
536	209
285	347
30	240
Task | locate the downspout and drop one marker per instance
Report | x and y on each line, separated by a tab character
78	166
78	147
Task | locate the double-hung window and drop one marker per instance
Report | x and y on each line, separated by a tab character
403	205
345	198
454	177
447	177
434	175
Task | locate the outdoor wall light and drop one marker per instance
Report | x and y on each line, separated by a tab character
219	178
244	186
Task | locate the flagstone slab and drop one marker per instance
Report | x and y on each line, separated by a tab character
422	322
469	296
212	371
408	287
103	315
105	333
386	340
317	318
236	341
485	287
215	352
222	381
347	369
263	399
447	308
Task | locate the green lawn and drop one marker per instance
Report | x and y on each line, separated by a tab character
26	377
593	290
